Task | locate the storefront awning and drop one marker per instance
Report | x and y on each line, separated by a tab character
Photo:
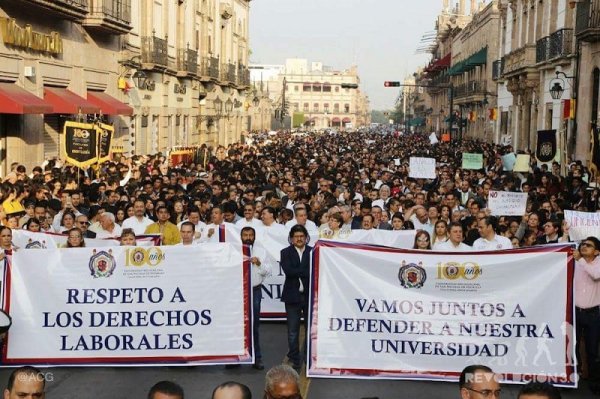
417	122
108	104
346	120
16	100
66	102
335	120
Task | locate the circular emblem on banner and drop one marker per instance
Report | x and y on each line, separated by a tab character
412	275
102	264
546	149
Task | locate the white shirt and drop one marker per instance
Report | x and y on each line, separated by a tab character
138	226
450	247
300	252
245	223
495	244
274	229
101	233
199	229
259	273
310	226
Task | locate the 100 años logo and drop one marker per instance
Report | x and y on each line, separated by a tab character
456	270
151	256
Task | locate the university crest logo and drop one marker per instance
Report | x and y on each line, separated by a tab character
102	264
412	275
31	244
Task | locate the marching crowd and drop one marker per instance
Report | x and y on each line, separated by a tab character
329	185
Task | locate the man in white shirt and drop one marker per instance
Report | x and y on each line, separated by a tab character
269	222
260	269
108	228
490	241
186	231
194	218
302	219
455	241
420	219
138	222
249	220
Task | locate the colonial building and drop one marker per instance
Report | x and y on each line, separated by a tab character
587	31
474	50
59	60
536	41
313	96
187	62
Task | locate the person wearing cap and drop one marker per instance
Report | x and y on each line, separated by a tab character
587	305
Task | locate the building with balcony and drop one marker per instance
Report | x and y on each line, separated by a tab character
59	60
312	95
536	40
587	34
187	62
474	51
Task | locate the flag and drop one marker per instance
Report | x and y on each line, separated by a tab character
546	145
492	114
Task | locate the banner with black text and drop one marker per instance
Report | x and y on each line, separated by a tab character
402	314
129	305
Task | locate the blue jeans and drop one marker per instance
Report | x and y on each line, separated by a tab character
588	327
294	312
256	299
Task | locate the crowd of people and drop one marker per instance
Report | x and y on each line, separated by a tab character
330	185
282	382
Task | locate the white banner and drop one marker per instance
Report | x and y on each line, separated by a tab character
422	168
24	239
507	203
129	305
271	305
582	224
383	313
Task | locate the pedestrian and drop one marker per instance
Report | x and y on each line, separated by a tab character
478	382
282	382
295	262
489	240
26	382
538	390
231	390
166	390
587	306
260	269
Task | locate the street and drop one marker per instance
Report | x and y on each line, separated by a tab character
198	382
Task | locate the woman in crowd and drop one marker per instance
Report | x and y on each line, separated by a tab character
422	240
128	238
446	214
120	216
440	233
67	221
398	221
75	238
33	225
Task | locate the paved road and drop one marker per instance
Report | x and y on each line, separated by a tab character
198	382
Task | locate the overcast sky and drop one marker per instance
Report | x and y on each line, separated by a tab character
380	36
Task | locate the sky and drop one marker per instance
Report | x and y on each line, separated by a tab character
379	36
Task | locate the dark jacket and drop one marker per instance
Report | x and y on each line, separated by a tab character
295	269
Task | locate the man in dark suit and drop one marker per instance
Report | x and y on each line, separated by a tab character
295	262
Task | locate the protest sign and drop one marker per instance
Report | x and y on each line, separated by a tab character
522	163
508	161
80	143
507	203
433	139
129	305
384	313
582	224
422	168
472	161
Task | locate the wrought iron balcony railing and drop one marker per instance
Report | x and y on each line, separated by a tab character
109	15
154	51
187	61
587	25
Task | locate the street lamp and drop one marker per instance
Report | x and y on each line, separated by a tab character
256	101
557	85
218	103
228	106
